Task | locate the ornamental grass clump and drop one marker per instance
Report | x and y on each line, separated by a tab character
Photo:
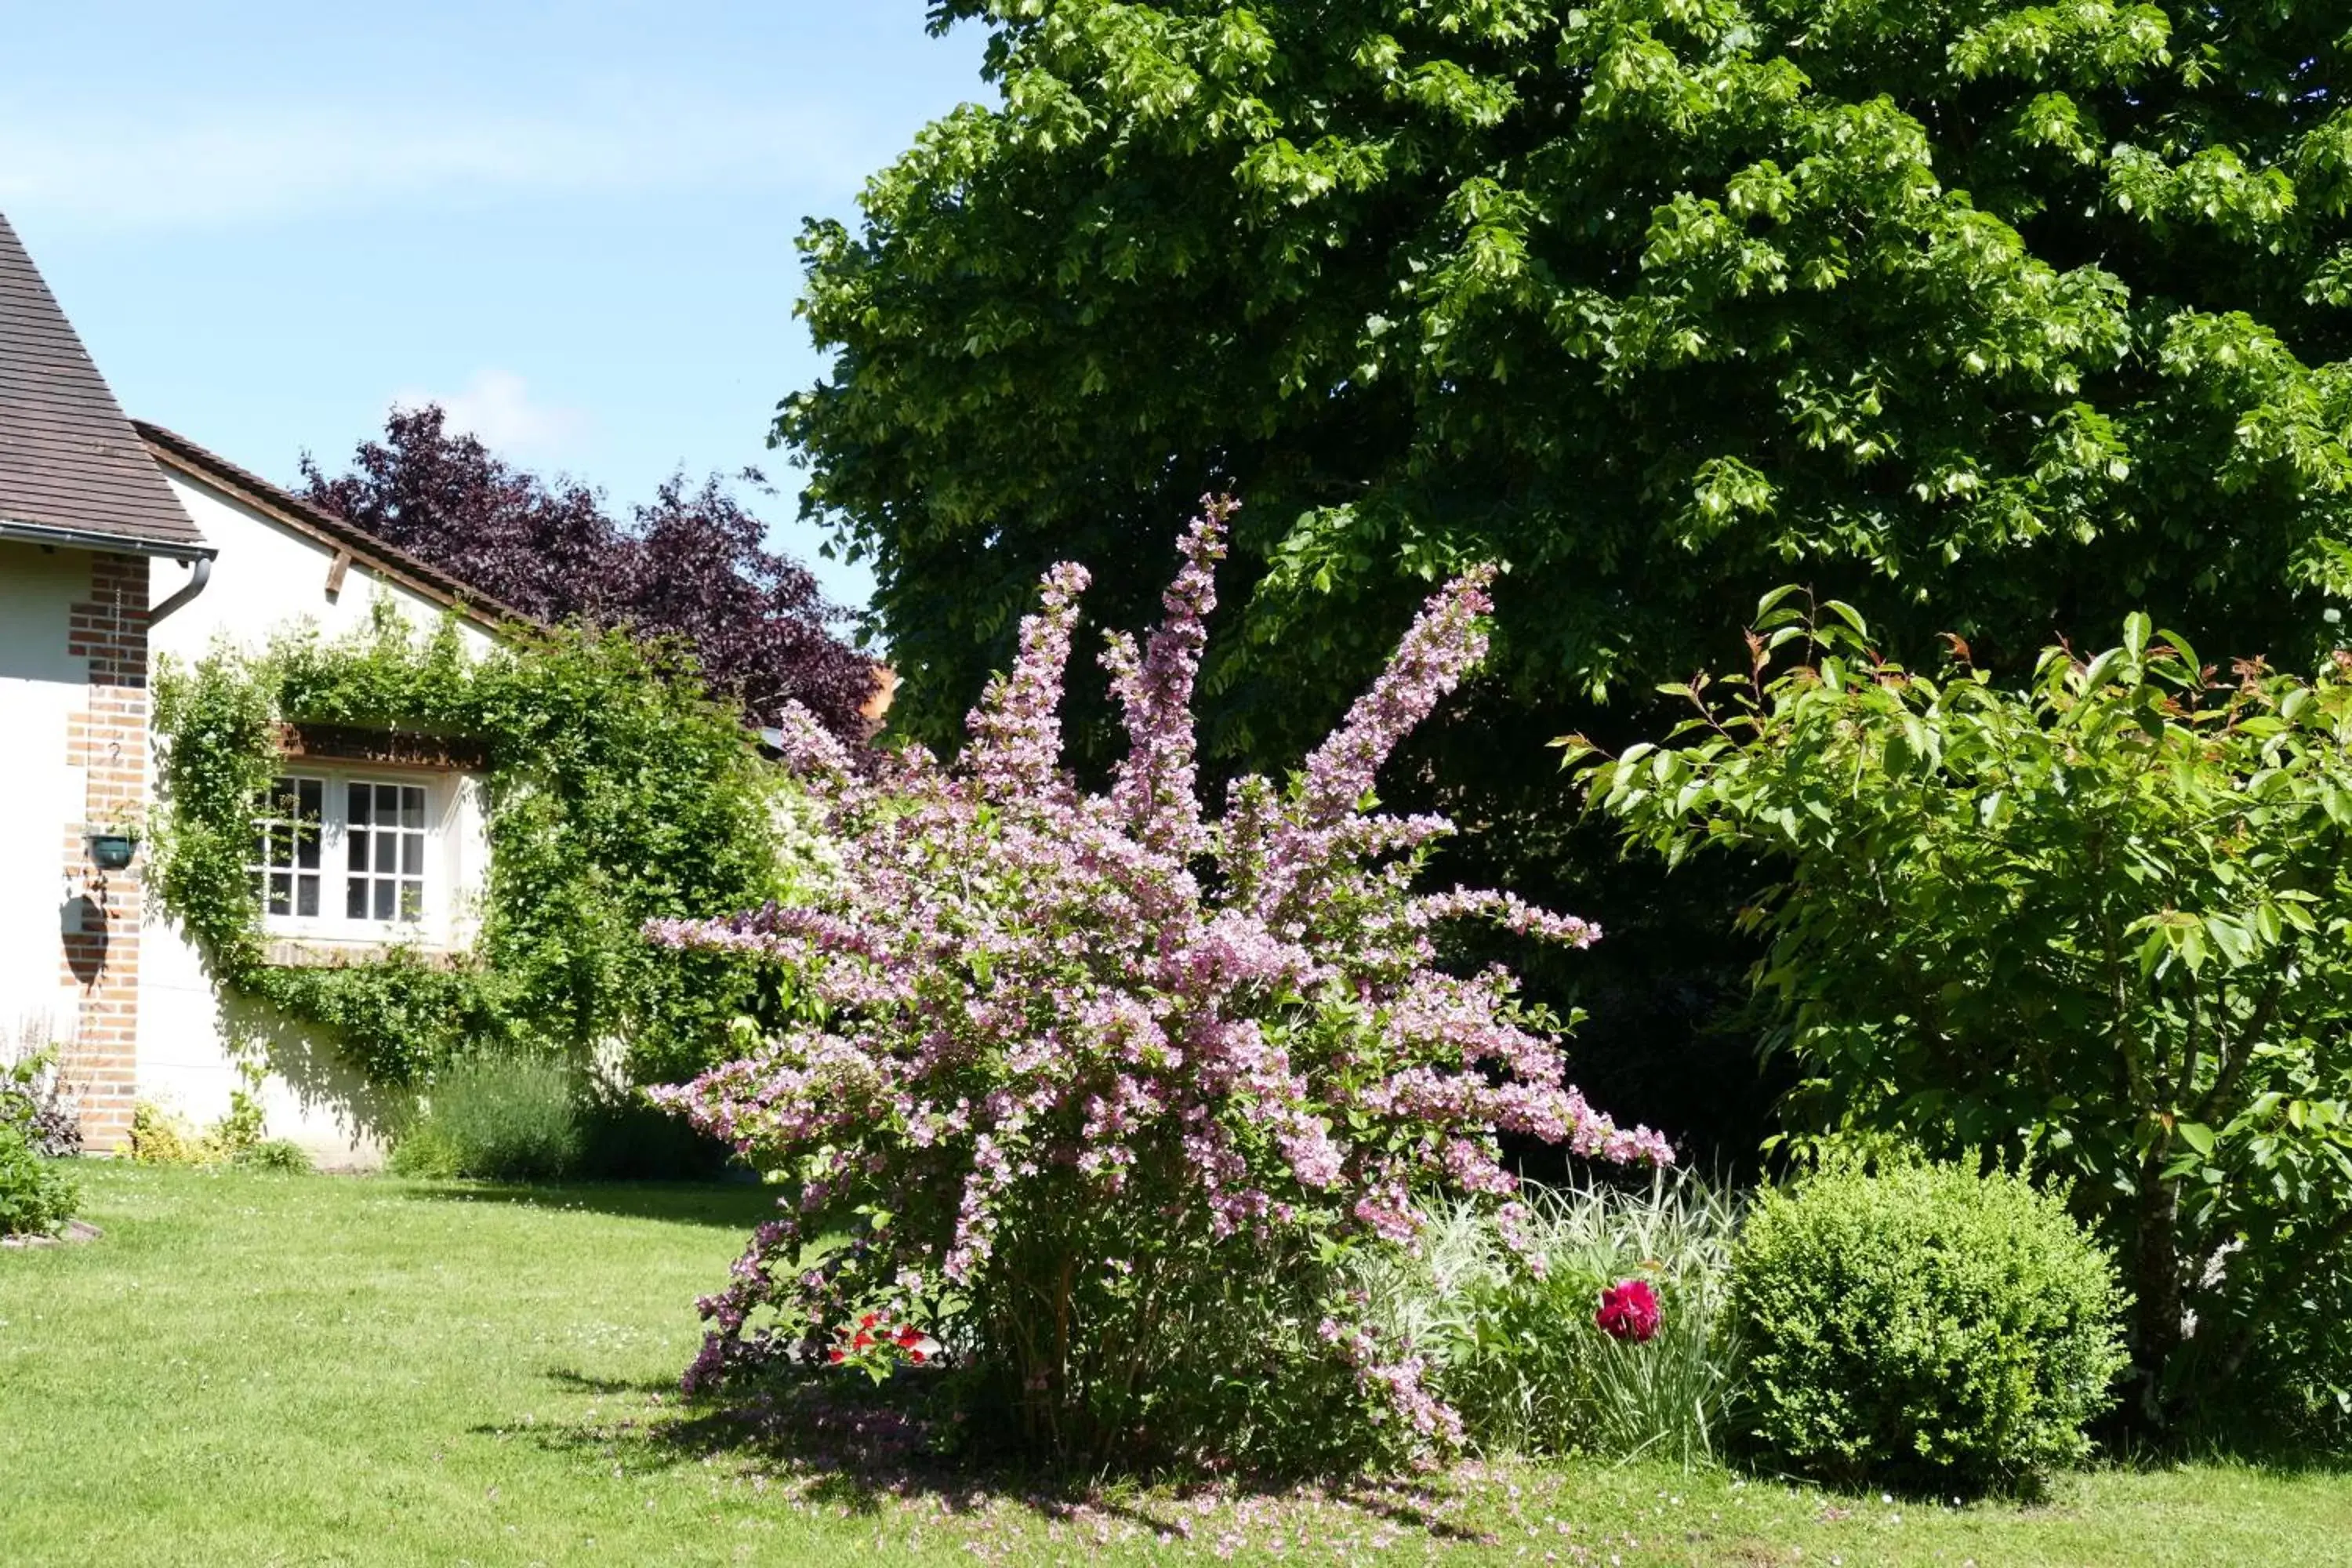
1620	1345
1110	1096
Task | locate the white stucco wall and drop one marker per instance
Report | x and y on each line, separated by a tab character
41	796
269	579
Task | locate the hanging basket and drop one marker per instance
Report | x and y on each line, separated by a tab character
112	851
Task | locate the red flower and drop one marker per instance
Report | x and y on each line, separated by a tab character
862	1341
1629	1310
870	1320
833	1356
909	1337
916	1357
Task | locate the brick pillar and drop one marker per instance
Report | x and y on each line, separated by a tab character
103	909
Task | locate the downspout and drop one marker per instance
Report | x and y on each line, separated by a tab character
200	575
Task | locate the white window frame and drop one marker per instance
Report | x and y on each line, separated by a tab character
433	858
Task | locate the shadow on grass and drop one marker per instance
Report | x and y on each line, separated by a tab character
820	1440
727	1205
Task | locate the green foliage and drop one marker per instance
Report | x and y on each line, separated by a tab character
500	1119
37	1196
160	1137
622	1139
616	793
1519	1354
2012	309
277	1154
1924	1326
2098	922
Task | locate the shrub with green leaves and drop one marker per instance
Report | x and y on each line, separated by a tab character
1519	1353
37	1196
2099	921
1922	1326
282	1155
498	1119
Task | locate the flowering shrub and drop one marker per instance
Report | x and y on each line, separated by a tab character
1629	1310
1109	1093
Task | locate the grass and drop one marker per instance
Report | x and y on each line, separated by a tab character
283	1370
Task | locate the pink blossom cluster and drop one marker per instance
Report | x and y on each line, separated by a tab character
1059	1023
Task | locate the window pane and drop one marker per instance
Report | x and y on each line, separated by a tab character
387	804
412	808
412	854
356	800
305	846
306	897
282	797
355	902
412	900
281	844
355	849
281	894
385	890
387	850
260	846
312	796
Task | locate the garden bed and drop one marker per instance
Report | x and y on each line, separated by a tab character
250	1368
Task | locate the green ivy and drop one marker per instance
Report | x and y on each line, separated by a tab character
616	792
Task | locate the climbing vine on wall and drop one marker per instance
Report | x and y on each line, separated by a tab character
615	792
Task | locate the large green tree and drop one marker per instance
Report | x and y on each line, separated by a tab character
2026	314
1991	318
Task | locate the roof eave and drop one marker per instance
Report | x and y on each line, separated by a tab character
114	543
177	453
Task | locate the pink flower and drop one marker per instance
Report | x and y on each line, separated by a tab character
1629	1310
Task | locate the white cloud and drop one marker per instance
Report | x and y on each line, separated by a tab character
498	406
257	162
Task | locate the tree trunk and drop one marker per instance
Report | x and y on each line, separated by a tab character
2156	1283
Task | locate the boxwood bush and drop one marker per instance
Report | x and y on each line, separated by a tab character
1923	1327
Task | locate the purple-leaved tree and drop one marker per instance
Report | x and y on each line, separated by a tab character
691	566
1108	1094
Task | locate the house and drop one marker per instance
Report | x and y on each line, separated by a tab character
120	543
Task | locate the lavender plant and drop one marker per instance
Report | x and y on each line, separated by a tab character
1109	1095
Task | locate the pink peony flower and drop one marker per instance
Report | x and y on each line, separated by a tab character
1629	1310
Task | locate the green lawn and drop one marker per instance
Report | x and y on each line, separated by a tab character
258	1370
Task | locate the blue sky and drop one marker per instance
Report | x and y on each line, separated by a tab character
570	223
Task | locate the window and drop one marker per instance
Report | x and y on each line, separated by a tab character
287	832
384	849
346	855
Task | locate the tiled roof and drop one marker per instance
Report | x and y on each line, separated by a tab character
71	469
174	450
